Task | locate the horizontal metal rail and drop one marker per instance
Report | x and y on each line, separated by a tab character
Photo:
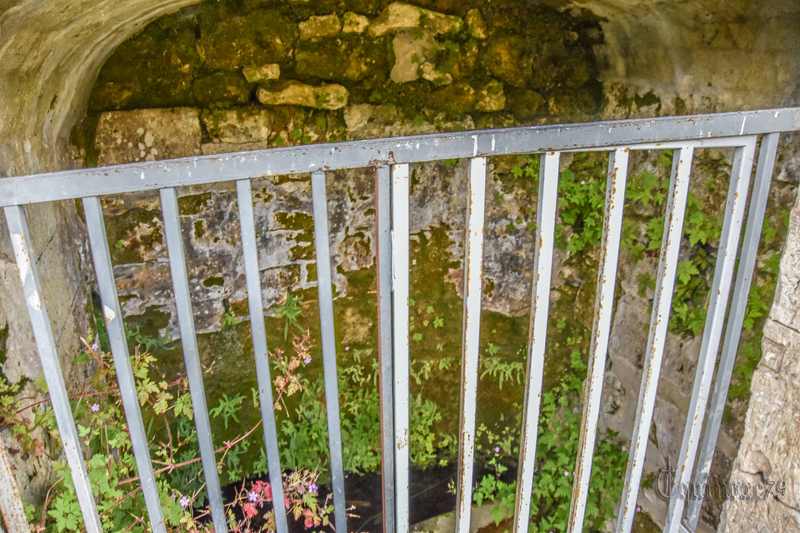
369	153
391	158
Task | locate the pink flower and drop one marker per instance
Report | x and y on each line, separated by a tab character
566	474
346	348
253	496
185	501
307	360
312	488
95	407
250	510
497	449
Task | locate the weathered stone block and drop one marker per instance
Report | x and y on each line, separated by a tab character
315	28
411	50
354	23
475	24
296	93
240	125
221	87
270	71
524	103
400	16
509	61
491	97
432	74
147	135
365	121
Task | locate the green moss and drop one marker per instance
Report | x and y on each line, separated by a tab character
216	281
194	204
199	229
3	343
648	99
150	323
644	523
126	239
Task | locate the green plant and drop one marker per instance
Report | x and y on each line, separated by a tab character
229	320
291	310
97	410
557	447
162	342
227	408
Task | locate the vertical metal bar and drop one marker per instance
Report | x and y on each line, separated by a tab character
603	311
252	274
320	206
400	268
10	503
383	236
473	269
32	289
659	322
191	354
540	305
733	330
98	241
718	306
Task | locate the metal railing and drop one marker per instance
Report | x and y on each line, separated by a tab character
391	158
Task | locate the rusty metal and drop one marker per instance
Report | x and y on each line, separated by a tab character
537	340
392	235
260	353
733	329
712	332
606	283
51	366
375	152
191	354
327	329
659	321
400	280
383	261
473	268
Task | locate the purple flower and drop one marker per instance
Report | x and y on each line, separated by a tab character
95	407
583	182
185	501
307	360
253	496
313	488
566	474
346	348
624	449
95	346
638	508
497	449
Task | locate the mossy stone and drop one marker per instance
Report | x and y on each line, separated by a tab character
347	59
455	99
223	87
510	59
525	104
262	36
163	63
